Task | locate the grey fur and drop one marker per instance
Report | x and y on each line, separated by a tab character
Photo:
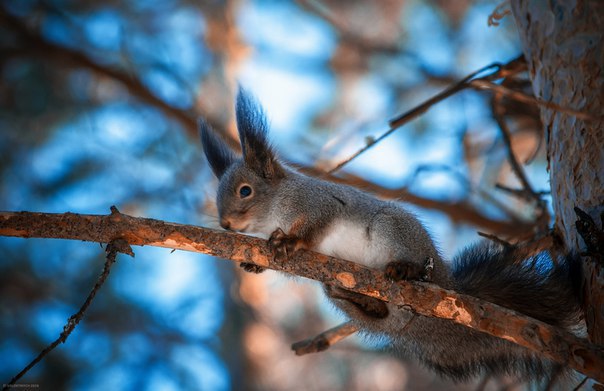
311	210
219	155
253	126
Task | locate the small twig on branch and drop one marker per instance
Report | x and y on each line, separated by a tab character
520	193
115	246
499	13
422	298
527	192
464	181
324	340
495	239
528	248
498	112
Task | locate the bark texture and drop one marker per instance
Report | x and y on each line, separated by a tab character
425	299
563	42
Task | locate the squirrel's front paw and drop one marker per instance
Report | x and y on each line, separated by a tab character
282	244
405	270
251	268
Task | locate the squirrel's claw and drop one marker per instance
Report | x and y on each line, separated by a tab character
282	244
405	270
251	268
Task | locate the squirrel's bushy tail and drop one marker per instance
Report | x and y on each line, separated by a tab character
538	286
541	287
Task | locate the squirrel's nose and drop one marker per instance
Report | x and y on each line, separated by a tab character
224	223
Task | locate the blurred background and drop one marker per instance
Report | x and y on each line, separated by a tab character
98	106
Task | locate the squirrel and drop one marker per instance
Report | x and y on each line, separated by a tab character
260	194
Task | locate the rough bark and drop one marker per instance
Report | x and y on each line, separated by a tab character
563	43
425	299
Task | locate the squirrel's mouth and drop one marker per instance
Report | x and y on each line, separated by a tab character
236	226
244	229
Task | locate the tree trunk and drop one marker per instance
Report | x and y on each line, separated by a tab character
563	42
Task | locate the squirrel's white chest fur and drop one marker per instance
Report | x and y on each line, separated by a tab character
351	241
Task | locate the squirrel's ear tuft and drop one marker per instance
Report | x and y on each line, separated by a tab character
253	127
219	154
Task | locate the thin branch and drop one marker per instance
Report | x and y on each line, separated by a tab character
498	112
395	123
464	181
324	340
527	192
495	239
38	46
520	193
500	71
115	246
484	84
345	33
499	13
367	46
422	298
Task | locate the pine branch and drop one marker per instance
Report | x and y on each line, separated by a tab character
423	298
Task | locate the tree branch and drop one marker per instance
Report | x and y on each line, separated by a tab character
498	71
424	299
115	246
324	340
484	84
38	46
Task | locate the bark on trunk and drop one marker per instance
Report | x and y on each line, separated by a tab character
563	42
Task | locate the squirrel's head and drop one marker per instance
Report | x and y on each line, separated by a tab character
248	181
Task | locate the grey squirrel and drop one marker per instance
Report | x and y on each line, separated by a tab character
260	194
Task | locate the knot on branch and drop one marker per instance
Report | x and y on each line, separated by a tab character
118	245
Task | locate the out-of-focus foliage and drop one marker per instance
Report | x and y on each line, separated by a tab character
98	102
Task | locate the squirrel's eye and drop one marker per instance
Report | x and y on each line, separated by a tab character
245	191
